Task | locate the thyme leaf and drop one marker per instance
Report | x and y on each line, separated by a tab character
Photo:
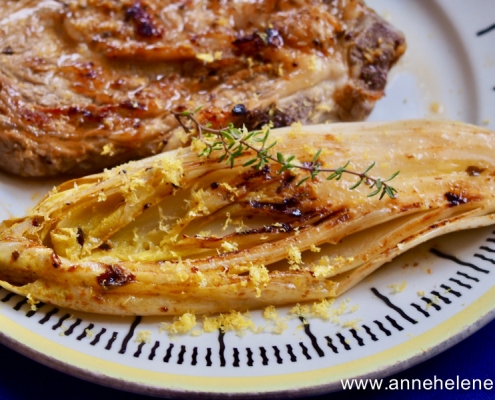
234	142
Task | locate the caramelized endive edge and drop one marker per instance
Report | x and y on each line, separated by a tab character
455	223
392	360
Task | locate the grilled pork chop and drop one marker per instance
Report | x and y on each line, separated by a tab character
88	84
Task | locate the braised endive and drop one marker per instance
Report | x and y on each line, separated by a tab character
180	232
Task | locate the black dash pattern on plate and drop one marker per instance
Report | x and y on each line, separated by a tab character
382	327
8	297
343	341
85	331
209	363
450	257
314	341
488	249
292	356
139	350
387	301
486	30
482	257
249	354
70	331
236	362
221	350
48	315
394	323
180	357
263	356
194	357
439	296
331	345
18	306
277	355
465	285
357	337
305	351
168	355
153	350
129	335
431	303
448	289
417	307
98	336
34	310
111	341
370	333
472	278
61	321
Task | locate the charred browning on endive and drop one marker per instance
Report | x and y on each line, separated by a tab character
15	255
105	246
56	262
455	199
80	237
115	276
474	171
179	232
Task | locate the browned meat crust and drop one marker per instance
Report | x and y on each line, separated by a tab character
88	84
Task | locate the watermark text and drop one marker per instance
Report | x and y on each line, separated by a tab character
435	383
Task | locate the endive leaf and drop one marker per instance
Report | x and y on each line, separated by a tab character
177	233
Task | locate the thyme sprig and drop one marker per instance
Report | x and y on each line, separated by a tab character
233	142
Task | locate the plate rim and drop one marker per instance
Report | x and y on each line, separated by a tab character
377	366
439	338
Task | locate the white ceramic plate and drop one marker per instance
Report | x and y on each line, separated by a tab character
447	72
